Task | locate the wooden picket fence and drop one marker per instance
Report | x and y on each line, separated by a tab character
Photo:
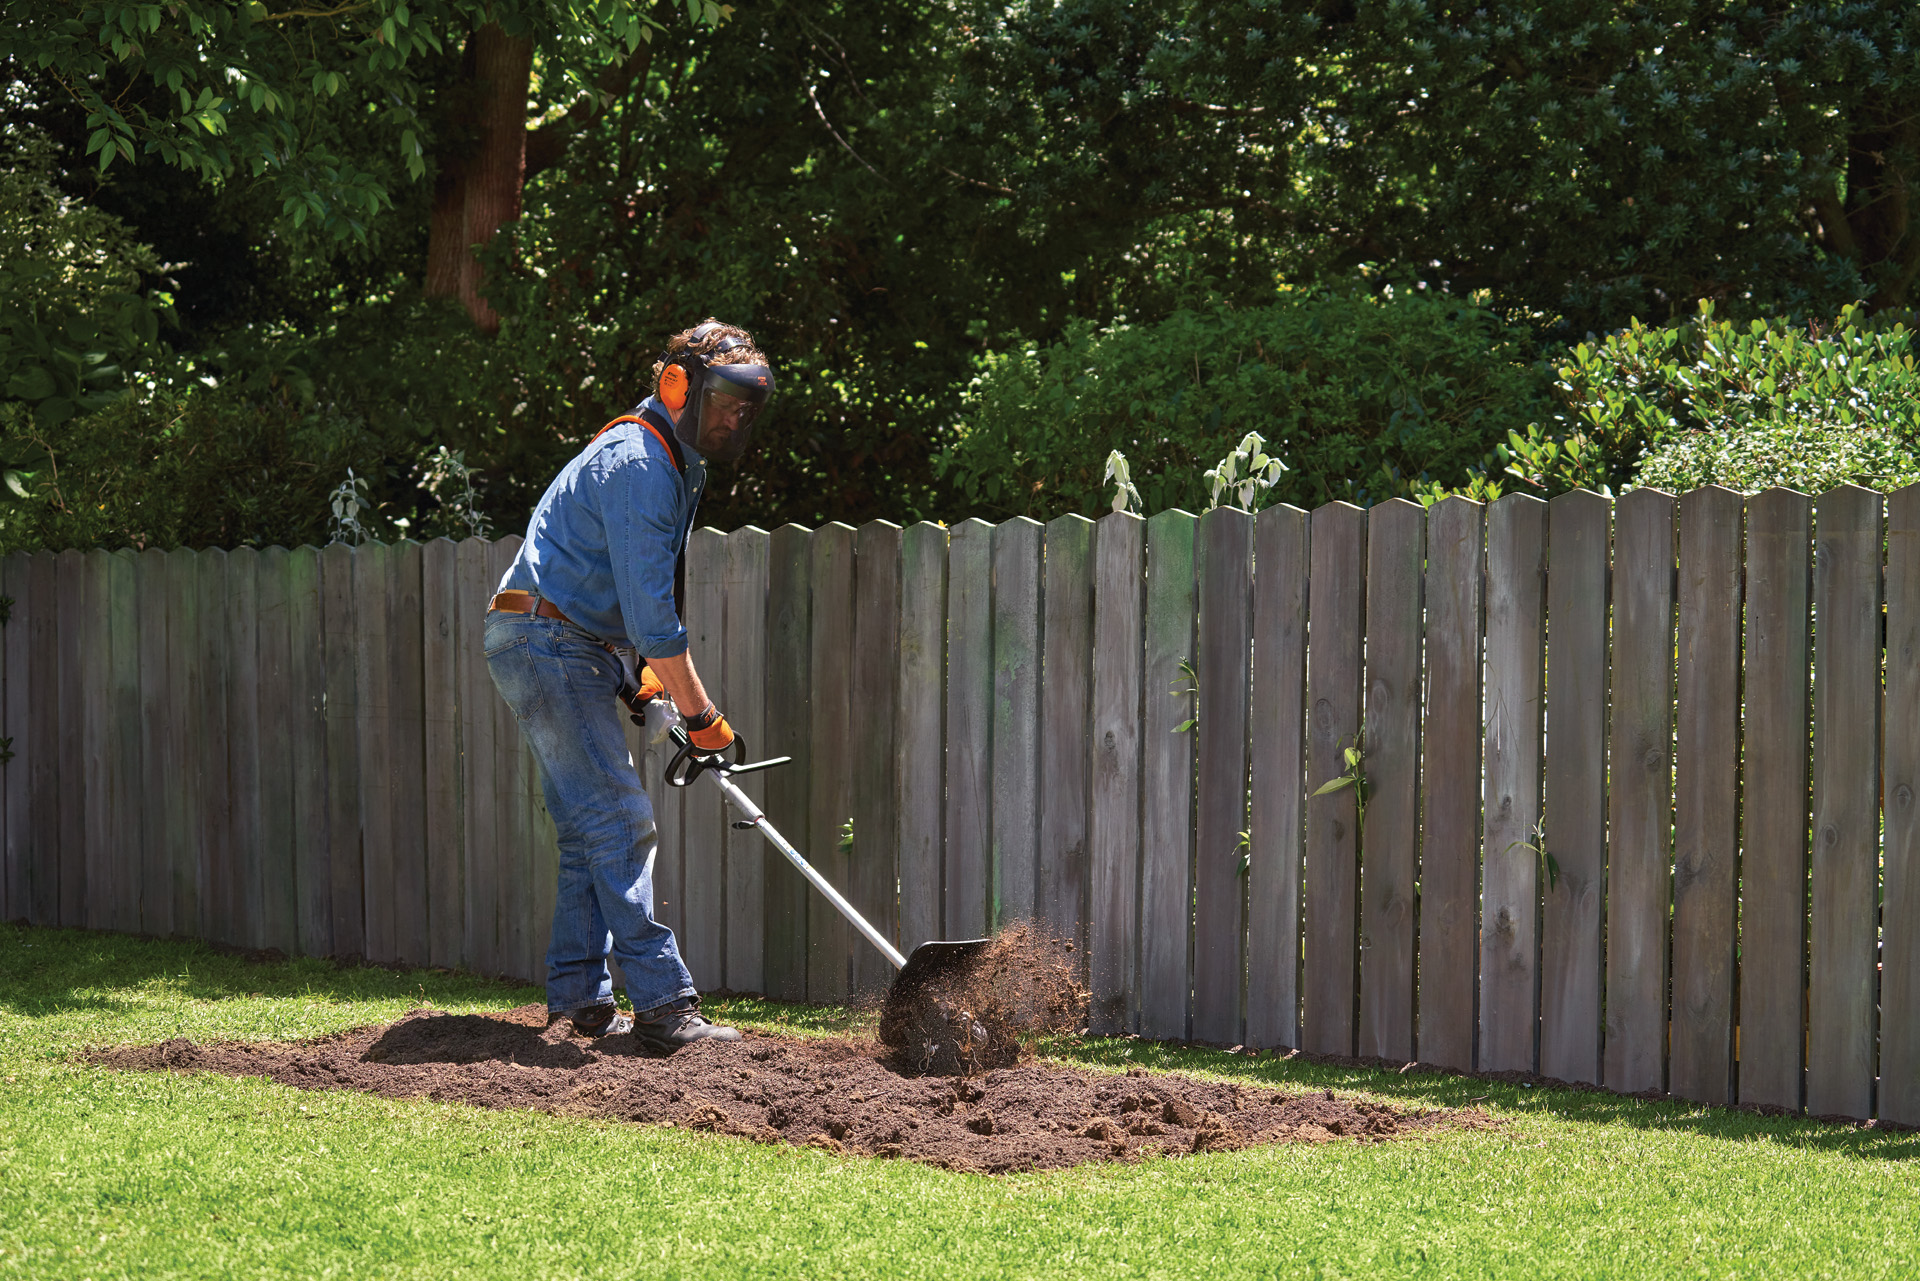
1639	802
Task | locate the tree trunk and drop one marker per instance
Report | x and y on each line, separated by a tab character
482	168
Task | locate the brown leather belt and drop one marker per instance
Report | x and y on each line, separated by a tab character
517	602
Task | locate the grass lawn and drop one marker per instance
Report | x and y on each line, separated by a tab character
105	1174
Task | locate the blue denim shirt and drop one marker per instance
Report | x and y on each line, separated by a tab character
603	543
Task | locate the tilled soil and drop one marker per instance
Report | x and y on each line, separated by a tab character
839	1095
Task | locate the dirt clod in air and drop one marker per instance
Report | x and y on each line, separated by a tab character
987	1013
844	1097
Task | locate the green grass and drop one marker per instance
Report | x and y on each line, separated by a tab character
106	1174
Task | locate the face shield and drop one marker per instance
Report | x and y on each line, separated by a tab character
722	406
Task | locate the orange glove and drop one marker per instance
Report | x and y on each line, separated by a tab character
713	734
637	697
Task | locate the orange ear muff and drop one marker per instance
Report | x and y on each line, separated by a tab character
673	387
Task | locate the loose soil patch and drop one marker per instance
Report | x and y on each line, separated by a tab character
844	1096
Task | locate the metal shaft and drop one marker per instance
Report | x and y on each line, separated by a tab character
745	805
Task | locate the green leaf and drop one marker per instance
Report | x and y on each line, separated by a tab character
1334	784
32	382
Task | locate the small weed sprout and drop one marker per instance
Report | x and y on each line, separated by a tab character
1539	846
1189	690
1125	496
349	499
445	474
1355	776
845	842
1245	475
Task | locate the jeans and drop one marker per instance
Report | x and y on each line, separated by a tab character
562	686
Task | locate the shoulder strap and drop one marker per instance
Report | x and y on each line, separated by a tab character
664	437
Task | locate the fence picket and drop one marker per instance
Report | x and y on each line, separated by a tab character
157	771
830	796
481	899
1276	848
185	687
440	746
1336	596
217	880
789	665
1640	799
703	942
1450	784
513	845
1224	659
746	648
44	742
1899	1100
1773	863
921	735
407	797
306	714
346	872
15	637
70	586
100	909
1389	839
1017	548
969	814
1113	818
125	832
243	744
274	851
1846	776
1510	879
873	874
1066	688
373	678
1167	759
1706	809
1575	787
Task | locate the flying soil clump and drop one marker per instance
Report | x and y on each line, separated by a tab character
987	1013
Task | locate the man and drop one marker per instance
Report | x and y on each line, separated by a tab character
593	583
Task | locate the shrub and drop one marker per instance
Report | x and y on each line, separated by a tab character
1363	395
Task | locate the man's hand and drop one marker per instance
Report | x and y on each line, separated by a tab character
716	736
649	688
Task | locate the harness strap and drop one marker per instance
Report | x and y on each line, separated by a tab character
646	420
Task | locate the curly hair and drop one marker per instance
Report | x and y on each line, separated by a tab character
682	342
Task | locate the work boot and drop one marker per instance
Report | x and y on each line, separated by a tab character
601	1020
678	1023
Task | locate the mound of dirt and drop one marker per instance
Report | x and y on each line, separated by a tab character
983	1014
843	1096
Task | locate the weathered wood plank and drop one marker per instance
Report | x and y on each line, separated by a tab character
969	816
1166	771
1575	822
920	739
1899	1100
1114	818
1510	876
1846	775
44	742
1017	547
1336	586
1224	659
703	942
746	648
1773	860
156	762
440	725
789	666
243	743
873	877
345	869
306	714
185	690
1066	691
126	826
1640	800
1707	798
1390	836
830	797
1450	783
102	908
275	851
1276	841
478	700
219	907
17	638
513	845
406	727
373	678
70	714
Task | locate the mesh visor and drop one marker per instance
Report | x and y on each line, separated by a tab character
720	414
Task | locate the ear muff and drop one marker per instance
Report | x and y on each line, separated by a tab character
673	387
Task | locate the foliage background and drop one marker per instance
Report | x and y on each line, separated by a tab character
931	212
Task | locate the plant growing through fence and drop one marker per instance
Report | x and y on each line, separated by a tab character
348	500
1125	496
1247	474
1539	846
1190	690
1354	776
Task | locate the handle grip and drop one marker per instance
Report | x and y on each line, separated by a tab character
689	762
